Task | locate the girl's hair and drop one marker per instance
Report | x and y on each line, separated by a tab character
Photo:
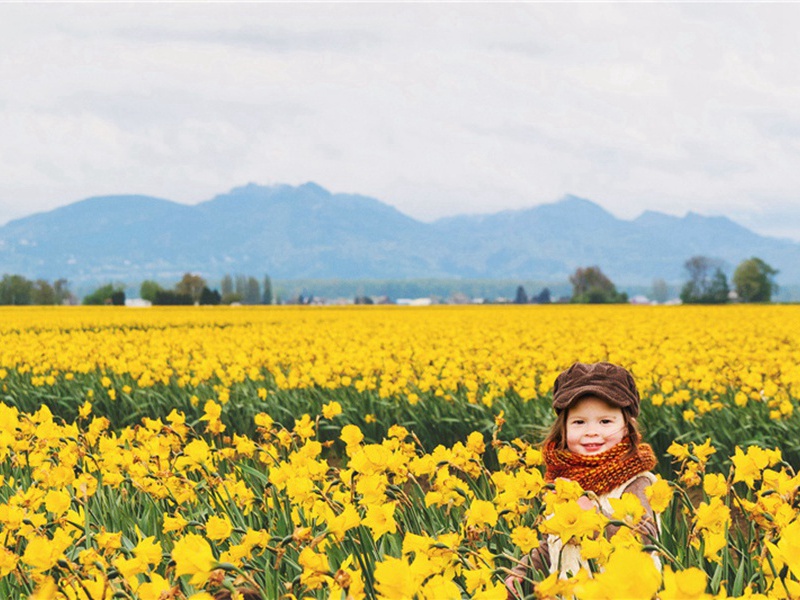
558	431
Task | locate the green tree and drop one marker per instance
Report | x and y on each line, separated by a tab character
191	285
230	298
240	286
43	293
210	297
660	291
149	289
754	281
521	296
15	290
118	297
252	291
707	283
266	295
106	294
62	293
542	297
226	285
226	289
591	286
172	298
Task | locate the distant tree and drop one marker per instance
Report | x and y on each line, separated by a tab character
99	296
230	298
226	285
240	286
591	286
707	282
754	281
172	298
252	291
542	297
210	297
266	295
62	293
521	297
118	298
149	289
361	300
719	293
660	291
15	290
107	294
191	285
43	293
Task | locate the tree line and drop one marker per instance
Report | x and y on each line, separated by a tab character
753	281
18	290
193	289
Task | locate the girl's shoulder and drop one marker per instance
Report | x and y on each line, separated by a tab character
644	476
635	484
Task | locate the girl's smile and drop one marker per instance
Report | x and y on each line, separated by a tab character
594	426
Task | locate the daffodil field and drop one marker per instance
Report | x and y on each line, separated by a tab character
385	452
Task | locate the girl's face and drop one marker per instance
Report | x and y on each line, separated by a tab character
594	426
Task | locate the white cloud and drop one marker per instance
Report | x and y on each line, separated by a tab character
435	108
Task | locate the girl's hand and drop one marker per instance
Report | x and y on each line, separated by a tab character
511	585
586	504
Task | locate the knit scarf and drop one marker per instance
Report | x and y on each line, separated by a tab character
599	473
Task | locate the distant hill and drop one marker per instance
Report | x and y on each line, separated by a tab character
305	232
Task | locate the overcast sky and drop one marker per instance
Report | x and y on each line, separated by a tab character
435	108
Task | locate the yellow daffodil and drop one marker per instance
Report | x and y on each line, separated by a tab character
331	410
380	519
395	579
315	568
689	584
480	513
659	494
715	484
629	574
218	528
525	538
628	508
193	556
748	466
569	521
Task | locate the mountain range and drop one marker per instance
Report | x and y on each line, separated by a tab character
306	232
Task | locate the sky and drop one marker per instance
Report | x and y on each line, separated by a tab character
435	108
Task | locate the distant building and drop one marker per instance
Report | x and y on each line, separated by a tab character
137	303
414	301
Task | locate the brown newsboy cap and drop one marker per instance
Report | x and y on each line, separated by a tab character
608	382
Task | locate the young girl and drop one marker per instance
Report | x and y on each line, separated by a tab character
595	441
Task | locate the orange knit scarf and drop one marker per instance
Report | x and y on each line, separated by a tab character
602	472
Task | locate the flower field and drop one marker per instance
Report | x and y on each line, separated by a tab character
383	451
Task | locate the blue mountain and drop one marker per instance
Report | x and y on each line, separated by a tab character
306	232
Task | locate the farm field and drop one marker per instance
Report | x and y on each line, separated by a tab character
383	451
